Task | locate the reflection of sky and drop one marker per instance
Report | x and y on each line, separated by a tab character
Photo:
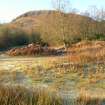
10	9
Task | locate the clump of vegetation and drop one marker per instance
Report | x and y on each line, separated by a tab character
14	36
87	98
19	95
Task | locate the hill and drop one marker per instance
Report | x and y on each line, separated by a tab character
36	18
49	25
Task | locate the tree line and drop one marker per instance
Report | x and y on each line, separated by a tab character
73	29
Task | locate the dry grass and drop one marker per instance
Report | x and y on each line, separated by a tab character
87	51
19	95
90	98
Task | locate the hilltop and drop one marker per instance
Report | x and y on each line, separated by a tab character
37	18
49	21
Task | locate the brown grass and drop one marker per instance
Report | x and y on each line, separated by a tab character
19	95
90	51
89	98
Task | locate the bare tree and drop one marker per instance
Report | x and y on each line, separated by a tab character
99	16
102	20
62	7
85	25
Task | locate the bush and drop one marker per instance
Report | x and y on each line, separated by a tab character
12	37
100	37
35	38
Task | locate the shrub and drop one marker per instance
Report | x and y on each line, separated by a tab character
11	37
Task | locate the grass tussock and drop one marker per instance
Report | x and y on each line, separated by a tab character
88	98
18	95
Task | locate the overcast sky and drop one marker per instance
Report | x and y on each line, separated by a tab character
10	9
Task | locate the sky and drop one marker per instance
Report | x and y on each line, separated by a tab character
10	9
